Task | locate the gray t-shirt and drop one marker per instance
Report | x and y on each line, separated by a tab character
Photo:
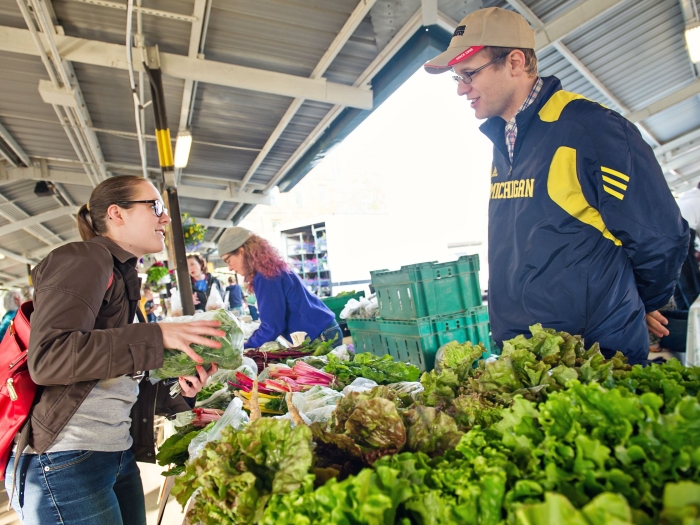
102	422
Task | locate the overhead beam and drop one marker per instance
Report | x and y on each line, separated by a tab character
228	193
16	256
193	51
143	10
190	88
103	54
39	253
683	140
38	219
429	10
9	139
666	102
36	173
681	160
338	43
570	21
213	223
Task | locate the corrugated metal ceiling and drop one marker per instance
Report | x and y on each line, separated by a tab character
636	50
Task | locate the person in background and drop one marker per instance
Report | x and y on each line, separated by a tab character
252	301
286	306
202	281
689	204
235	297
149	306
90	351
12	301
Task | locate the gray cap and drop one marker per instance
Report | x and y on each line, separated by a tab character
232	239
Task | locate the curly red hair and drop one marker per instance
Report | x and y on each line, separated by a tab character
259	256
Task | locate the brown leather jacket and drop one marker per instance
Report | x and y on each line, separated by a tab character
83	331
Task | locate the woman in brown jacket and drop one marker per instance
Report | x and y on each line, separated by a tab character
89	350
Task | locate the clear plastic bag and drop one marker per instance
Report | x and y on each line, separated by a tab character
317	403
341	352
364	308
359	385
215	301
175	303
223	395
411	388
234	416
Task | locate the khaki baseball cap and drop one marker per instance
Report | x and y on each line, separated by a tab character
485	27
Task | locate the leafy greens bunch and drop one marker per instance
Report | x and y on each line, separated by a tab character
383	370
237	475
587	455
229	356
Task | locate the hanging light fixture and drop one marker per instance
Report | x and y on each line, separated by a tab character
183	144
692	39
692	29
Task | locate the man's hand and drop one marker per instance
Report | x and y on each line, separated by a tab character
657	324
191	385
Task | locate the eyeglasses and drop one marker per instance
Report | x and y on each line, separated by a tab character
158	208
467	78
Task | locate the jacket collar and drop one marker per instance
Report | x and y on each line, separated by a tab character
117	251
494	128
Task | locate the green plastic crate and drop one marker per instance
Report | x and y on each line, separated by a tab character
336	304
428	289
366	336
418	341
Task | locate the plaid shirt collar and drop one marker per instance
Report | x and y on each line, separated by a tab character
512	126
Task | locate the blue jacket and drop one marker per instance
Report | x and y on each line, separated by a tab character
584	234
6	321
286	306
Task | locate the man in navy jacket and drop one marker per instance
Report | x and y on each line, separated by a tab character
584	234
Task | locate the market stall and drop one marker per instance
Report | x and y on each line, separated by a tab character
548	432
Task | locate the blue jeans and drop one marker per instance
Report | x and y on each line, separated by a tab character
78	487
333	332
253	312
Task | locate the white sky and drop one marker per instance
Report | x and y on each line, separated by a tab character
424	149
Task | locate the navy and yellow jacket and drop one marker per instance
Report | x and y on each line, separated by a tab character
584	234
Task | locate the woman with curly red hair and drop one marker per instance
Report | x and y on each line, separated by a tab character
284	303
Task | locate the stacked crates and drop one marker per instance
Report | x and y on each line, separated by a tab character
422	307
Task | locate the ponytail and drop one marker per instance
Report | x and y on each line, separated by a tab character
92	217
85	223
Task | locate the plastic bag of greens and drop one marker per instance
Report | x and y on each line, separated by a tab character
317	403
214	301
360	384
234	416
229	356
221	397
413	389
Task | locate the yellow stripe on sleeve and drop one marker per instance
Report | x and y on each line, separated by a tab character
613	192
615	183
565	189
615	173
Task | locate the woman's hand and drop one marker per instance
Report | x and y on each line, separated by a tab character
179	336
191	385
